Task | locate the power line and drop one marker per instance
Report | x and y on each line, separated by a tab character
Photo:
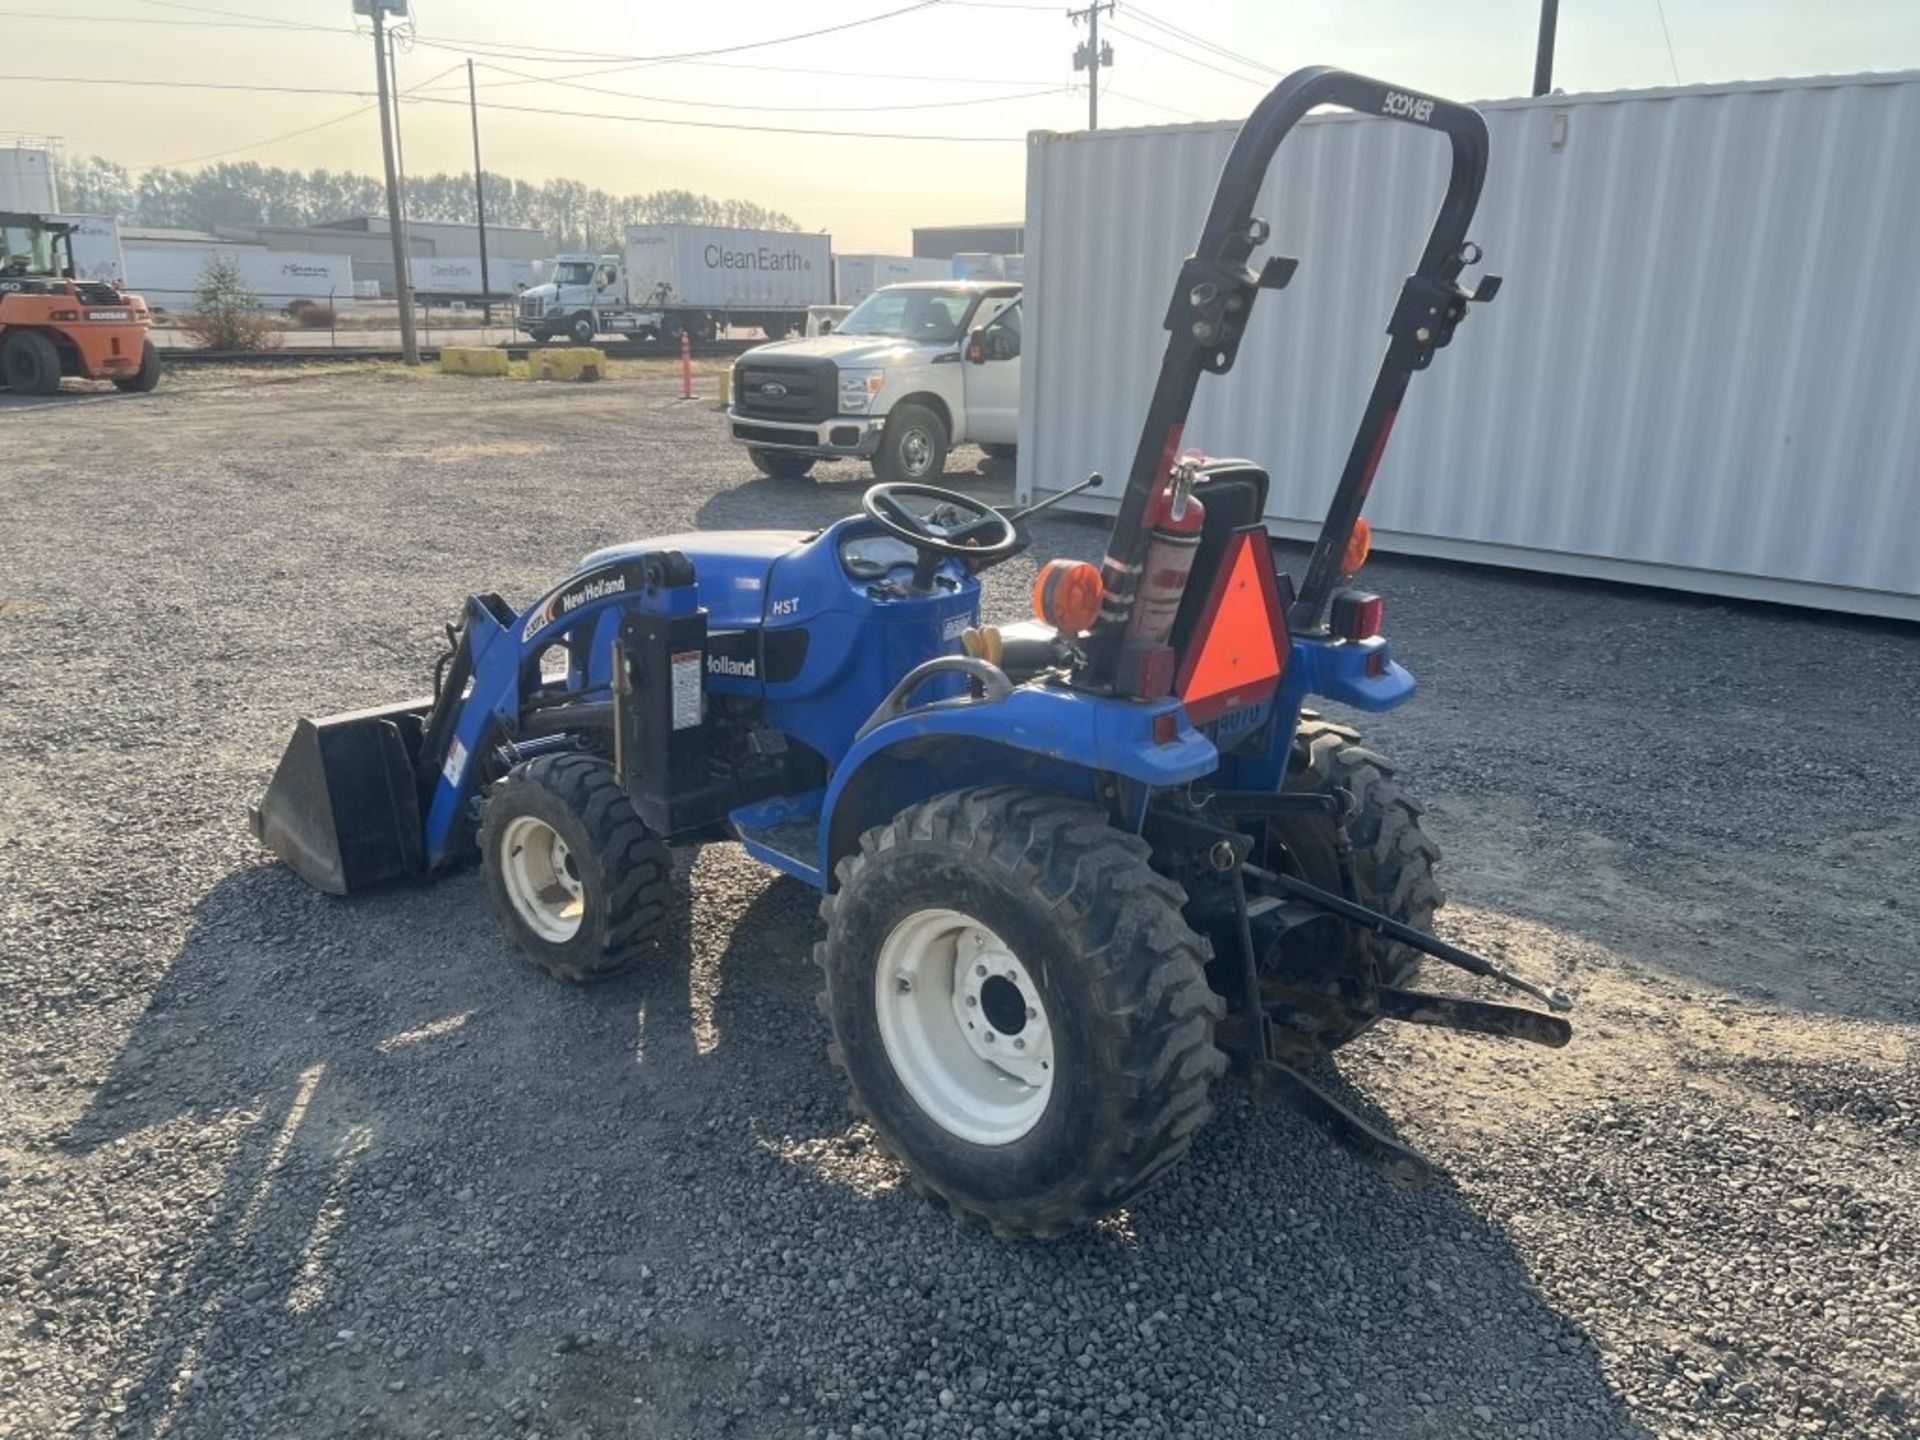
583	57
186	85
420	99
1200	41
1190	59
258	144
59	17
728	124
1156	104
1660	8
548	55
802	109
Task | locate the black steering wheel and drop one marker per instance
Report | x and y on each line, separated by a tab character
976	532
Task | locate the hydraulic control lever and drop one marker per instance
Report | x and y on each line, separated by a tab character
1092	482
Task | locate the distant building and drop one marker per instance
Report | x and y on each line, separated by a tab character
943	242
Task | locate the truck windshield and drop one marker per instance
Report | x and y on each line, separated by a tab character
932	317
573	272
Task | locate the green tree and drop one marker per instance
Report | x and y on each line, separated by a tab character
226	311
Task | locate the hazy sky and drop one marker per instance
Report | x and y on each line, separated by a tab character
902	74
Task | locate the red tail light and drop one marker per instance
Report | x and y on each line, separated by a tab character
1357	615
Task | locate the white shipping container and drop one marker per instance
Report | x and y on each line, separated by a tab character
168	274
96	247
27	181
707	267
459	275
857	276
1700	373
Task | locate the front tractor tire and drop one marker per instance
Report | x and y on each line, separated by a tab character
581	330
780	464
1021	1012
29	363
147	376
1393	865
579	881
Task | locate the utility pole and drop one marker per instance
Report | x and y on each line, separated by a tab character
1543	52
1090	55
378	10
479	196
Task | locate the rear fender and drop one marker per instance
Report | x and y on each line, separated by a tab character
1055	739
1359	673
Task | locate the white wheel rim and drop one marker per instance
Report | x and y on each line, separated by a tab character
964	1027
541	879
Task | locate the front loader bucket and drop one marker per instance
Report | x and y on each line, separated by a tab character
344	807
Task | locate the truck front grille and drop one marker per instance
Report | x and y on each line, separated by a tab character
532	307
801	390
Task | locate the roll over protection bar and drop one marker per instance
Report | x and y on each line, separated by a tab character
1215	293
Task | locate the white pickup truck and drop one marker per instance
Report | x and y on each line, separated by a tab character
912	371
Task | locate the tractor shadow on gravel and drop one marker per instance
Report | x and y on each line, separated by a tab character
427	1187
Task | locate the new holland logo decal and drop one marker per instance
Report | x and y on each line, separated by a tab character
598	585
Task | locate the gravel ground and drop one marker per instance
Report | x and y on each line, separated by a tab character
278	1165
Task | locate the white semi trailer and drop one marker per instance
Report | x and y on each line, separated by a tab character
857	276
682	279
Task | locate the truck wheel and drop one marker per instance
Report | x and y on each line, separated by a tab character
581	330
913	446
30	363
1393	863
780	464
999	452
148	375
1022	1014
580	882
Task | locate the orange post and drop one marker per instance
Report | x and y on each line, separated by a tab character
686	366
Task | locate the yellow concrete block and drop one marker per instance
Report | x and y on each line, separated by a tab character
473	360
581	363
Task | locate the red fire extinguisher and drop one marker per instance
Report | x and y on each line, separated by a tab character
1174	519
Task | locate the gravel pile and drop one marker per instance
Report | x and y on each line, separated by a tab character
277	1165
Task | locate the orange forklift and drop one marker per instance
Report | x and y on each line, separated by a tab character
52	324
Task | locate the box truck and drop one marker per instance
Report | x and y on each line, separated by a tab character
683	279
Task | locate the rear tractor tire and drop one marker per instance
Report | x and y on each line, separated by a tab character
781	464
1393	865
1021	1012
147	376
30	364
579	881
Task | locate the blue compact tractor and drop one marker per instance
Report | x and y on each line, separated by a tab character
1071	865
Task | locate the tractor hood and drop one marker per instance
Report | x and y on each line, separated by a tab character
847	350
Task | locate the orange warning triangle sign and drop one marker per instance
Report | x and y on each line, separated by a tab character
1239	656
